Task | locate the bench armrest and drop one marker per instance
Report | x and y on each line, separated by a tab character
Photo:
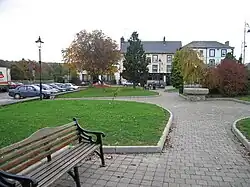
85	134
24	181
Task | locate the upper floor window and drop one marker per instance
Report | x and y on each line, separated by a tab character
155	58
212	52
169	67
154	68
169	58
223	52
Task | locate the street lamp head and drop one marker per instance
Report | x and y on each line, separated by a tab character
248	31
39	42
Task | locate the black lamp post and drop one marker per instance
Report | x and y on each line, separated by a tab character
40	42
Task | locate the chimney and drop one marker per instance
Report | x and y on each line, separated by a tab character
122	40
227	43
164	40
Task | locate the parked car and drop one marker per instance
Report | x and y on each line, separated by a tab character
157	83
70	85
58	87
13	85
48	88
126	83
24	91
62	85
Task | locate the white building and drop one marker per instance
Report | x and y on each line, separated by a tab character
160	55
211	52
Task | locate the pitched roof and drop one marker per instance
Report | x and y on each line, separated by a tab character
156	46
207	44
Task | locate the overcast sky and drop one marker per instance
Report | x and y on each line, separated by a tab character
57	21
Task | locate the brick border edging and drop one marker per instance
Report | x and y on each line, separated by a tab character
143	149
239	135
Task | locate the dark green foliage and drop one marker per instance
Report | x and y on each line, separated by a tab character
230	56
240	59
135	63
176	77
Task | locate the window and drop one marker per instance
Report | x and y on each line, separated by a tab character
169	67
149	60
201	53
155	58
30	88
211	63
223	52
21	88
212	53
169	58
154	68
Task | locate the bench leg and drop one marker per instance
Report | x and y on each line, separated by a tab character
75	176
101	155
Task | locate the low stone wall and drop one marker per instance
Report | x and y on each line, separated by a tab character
195	94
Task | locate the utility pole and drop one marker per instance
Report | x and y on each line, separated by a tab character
246	30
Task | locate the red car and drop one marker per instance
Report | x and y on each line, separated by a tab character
13	85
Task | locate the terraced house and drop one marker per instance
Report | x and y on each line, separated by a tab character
159	54
211	52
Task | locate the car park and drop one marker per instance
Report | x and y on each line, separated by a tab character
24	91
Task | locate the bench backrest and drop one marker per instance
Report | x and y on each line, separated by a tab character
19	156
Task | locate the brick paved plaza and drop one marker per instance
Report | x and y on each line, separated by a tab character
202	151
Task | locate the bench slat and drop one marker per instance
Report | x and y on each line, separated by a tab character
52	177
36	145
56	160
37	158
37	151
38	135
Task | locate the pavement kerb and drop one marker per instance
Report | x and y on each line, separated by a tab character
221	99
228	99
239	135
143	149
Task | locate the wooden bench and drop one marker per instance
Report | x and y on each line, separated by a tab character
36	162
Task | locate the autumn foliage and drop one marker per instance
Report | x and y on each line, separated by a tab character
229	78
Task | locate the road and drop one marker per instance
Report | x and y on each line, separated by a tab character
5	98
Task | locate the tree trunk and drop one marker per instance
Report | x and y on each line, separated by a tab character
134	85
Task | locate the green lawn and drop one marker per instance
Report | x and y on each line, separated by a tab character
109	92
245	98
124	123
244	127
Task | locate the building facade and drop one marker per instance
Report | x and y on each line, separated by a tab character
159	54
211	52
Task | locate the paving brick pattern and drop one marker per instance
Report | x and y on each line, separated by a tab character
202	151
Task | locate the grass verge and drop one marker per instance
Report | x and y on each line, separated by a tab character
124	123
244	127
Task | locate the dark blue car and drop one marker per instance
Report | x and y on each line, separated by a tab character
28	91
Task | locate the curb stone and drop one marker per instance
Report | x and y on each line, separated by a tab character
222	99
228	99
239	135
143	149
